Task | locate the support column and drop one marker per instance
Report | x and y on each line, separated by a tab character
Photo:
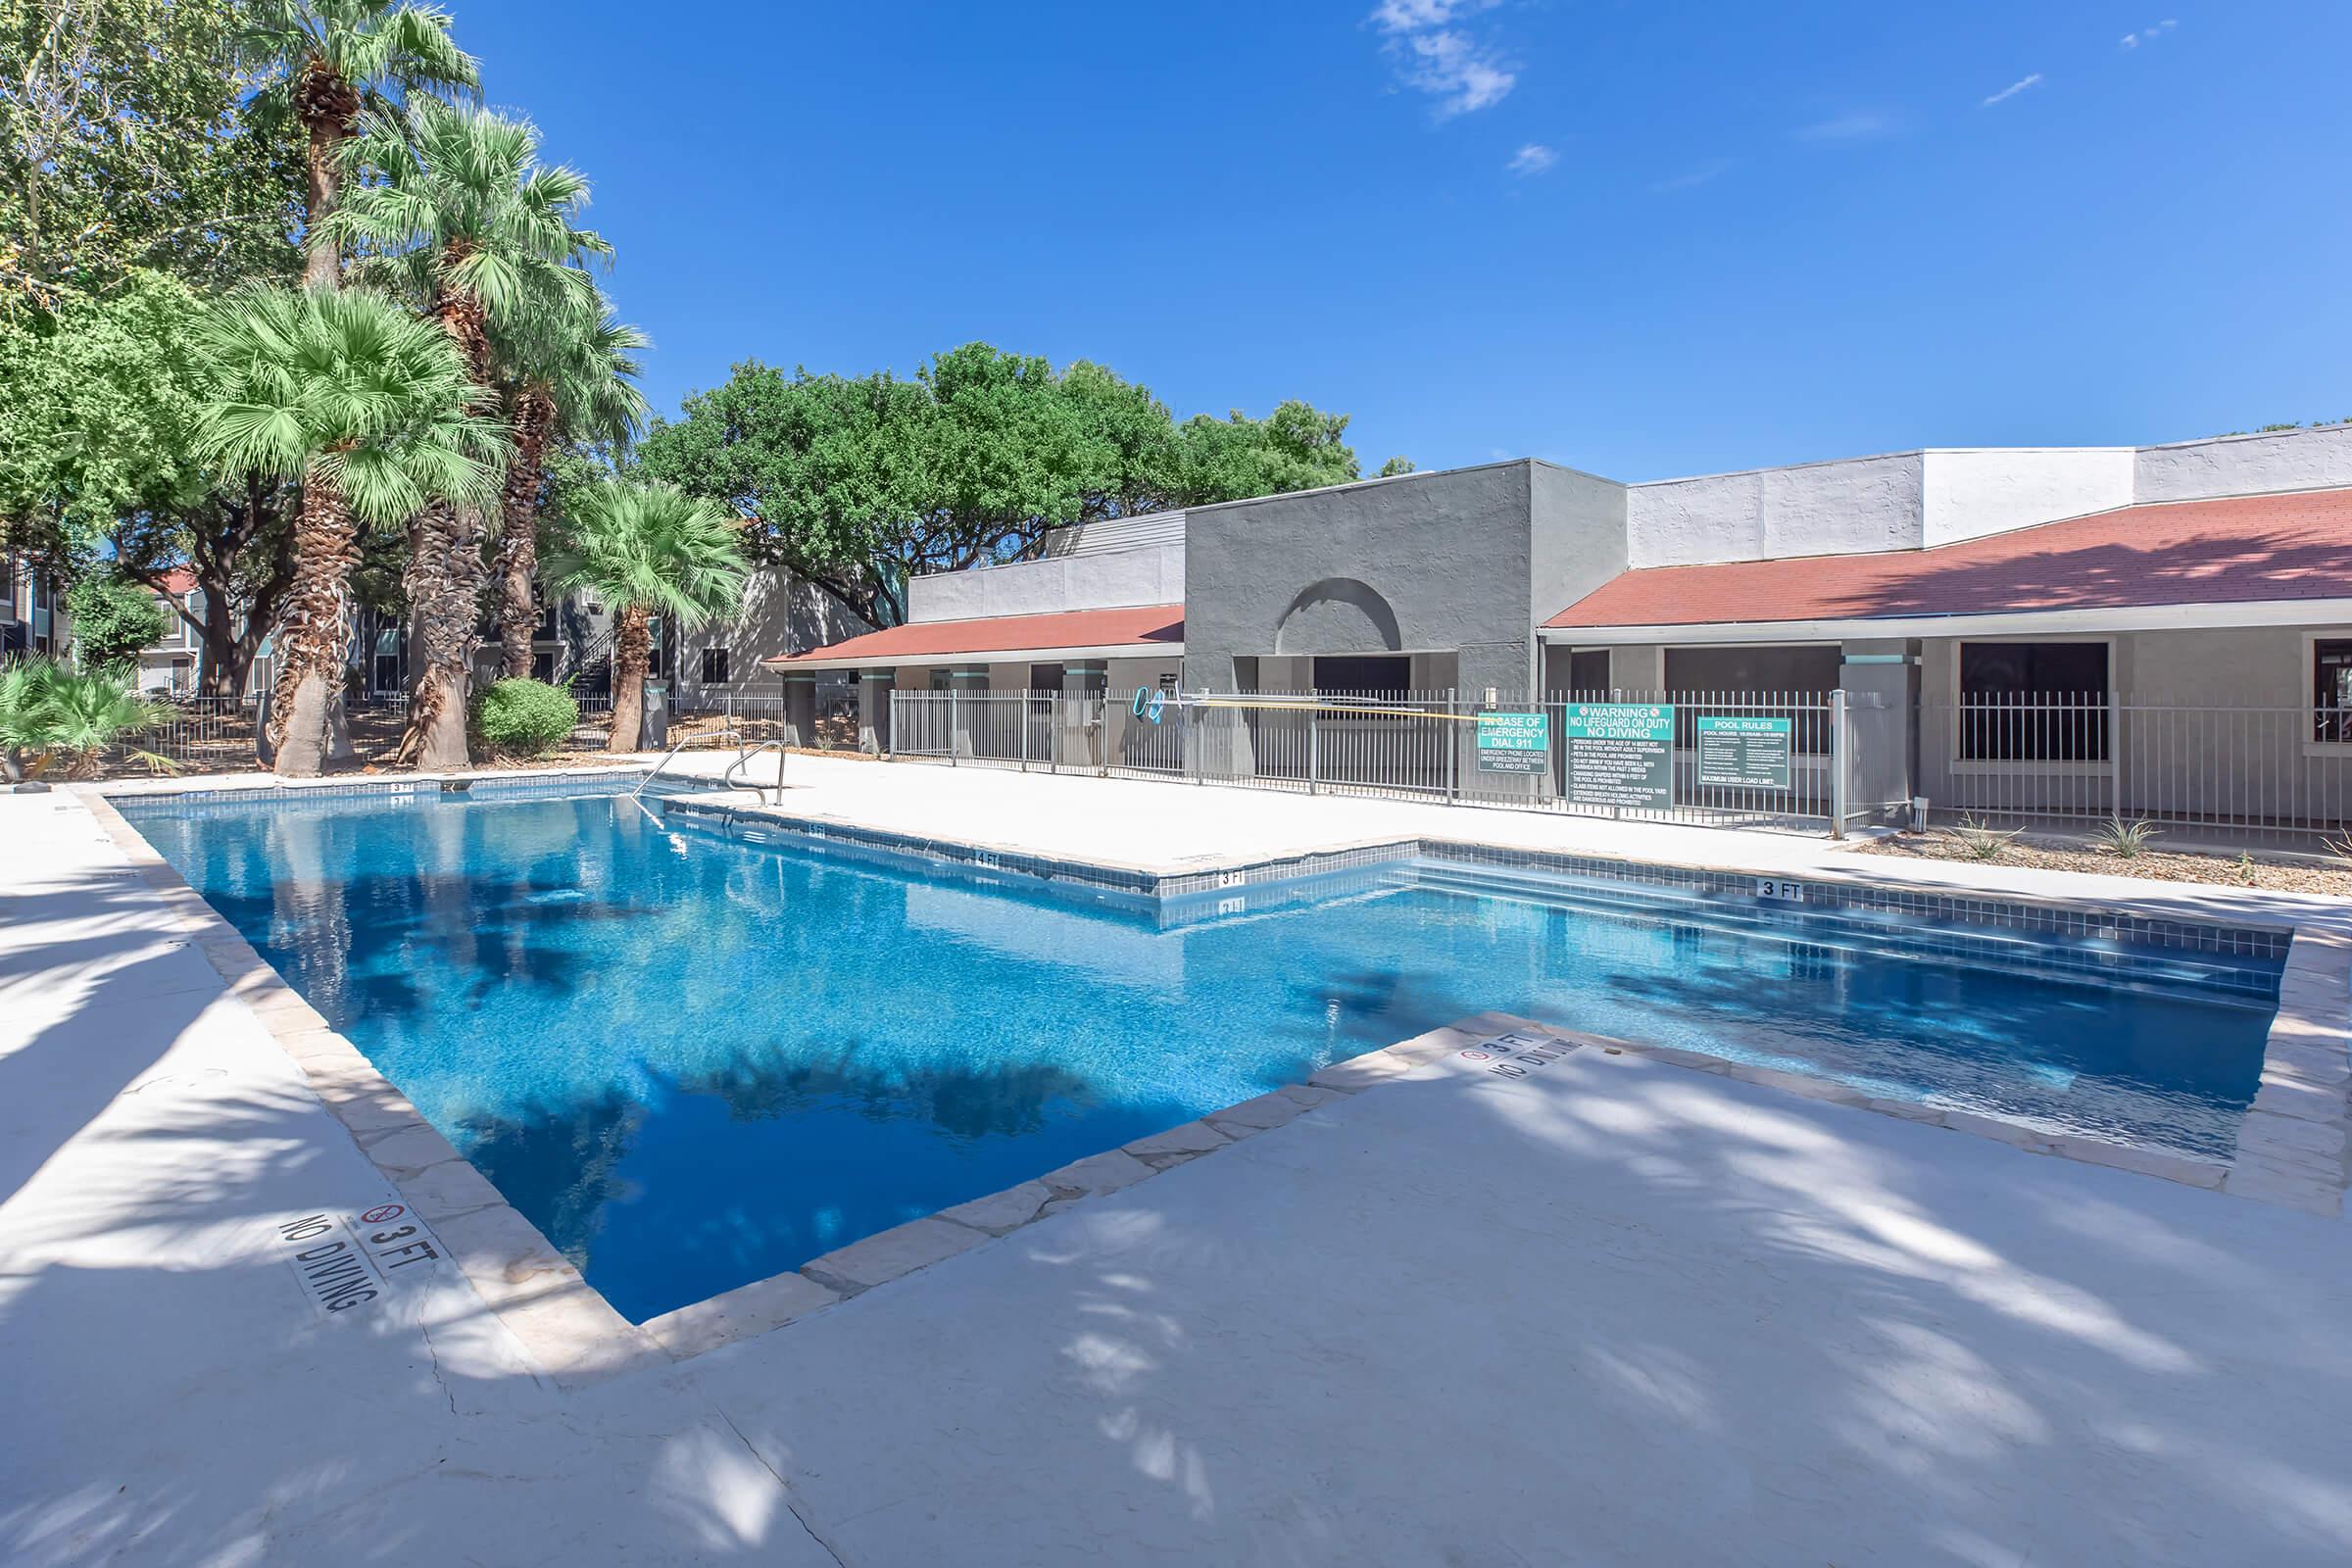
970	686
1078	730
873	710
1500	669
1880	677
800	708
1220	738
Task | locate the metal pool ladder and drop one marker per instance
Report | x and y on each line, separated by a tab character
742	754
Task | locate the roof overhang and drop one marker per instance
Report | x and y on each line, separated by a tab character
2030	622
784	665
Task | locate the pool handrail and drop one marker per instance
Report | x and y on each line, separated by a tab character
744	754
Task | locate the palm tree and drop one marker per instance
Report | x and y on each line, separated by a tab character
334	59
465	219
647	550
571	375
371	409
55	710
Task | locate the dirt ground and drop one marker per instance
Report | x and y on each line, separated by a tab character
223	743
2157	866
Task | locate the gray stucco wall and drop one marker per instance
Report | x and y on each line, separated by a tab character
1577	524
780	615
2208	720
1431	563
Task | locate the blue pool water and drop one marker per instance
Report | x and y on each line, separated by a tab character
694	1062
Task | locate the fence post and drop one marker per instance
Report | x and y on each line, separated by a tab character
951	727
1454	744
1841	762
1314	737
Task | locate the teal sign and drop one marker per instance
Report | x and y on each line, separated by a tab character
1514	742
1619	753
1744	753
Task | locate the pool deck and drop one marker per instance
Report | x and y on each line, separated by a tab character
1611	1311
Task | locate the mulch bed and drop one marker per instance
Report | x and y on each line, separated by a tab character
2155	865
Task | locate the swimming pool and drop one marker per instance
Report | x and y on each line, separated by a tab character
694	1061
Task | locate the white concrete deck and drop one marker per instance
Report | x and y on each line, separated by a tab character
1178	828
1612	1312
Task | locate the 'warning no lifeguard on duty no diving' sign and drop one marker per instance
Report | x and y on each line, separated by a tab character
1619	753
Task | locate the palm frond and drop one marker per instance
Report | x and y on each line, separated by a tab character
654	547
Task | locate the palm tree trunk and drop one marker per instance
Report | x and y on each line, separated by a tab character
632	655
519	536
443	582
328	107
314	629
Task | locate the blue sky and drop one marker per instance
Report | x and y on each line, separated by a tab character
1644	239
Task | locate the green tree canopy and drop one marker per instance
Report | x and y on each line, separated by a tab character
97	421
859	483
114	619
130	140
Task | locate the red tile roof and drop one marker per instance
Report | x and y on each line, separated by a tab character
179	581
2237	550
1145	628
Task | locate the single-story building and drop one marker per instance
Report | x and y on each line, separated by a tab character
2081	629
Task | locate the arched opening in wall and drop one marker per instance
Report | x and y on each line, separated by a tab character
1337	616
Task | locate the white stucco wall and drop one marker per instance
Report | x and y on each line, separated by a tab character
2242	465
1912	500
1104	580
1818	509
1973	492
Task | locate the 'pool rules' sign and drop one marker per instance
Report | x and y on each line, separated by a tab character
1513	742
1744	753
1620	754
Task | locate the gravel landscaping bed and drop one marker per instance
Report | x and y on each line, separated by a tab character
2156	866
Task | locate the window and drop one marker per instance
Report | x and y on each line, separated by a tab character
1047	677
1354	676
387	672
2331	689
2034	702
543	666
1589	672
714	667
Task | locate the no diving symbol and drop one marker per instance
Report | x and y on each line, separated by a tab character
383	1214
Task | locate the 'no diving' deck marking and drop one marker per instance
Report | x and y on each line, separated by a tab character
1517	1054
346	1261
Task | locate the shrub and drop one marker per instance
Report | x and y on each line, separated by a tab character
59	713
114	619
2124	839
1981	840
527	717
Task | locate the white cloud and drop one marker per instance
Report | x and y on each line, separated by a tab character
1847	127
2132	40
2032	78
1694	177
1533	158
1464	73
1411	15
